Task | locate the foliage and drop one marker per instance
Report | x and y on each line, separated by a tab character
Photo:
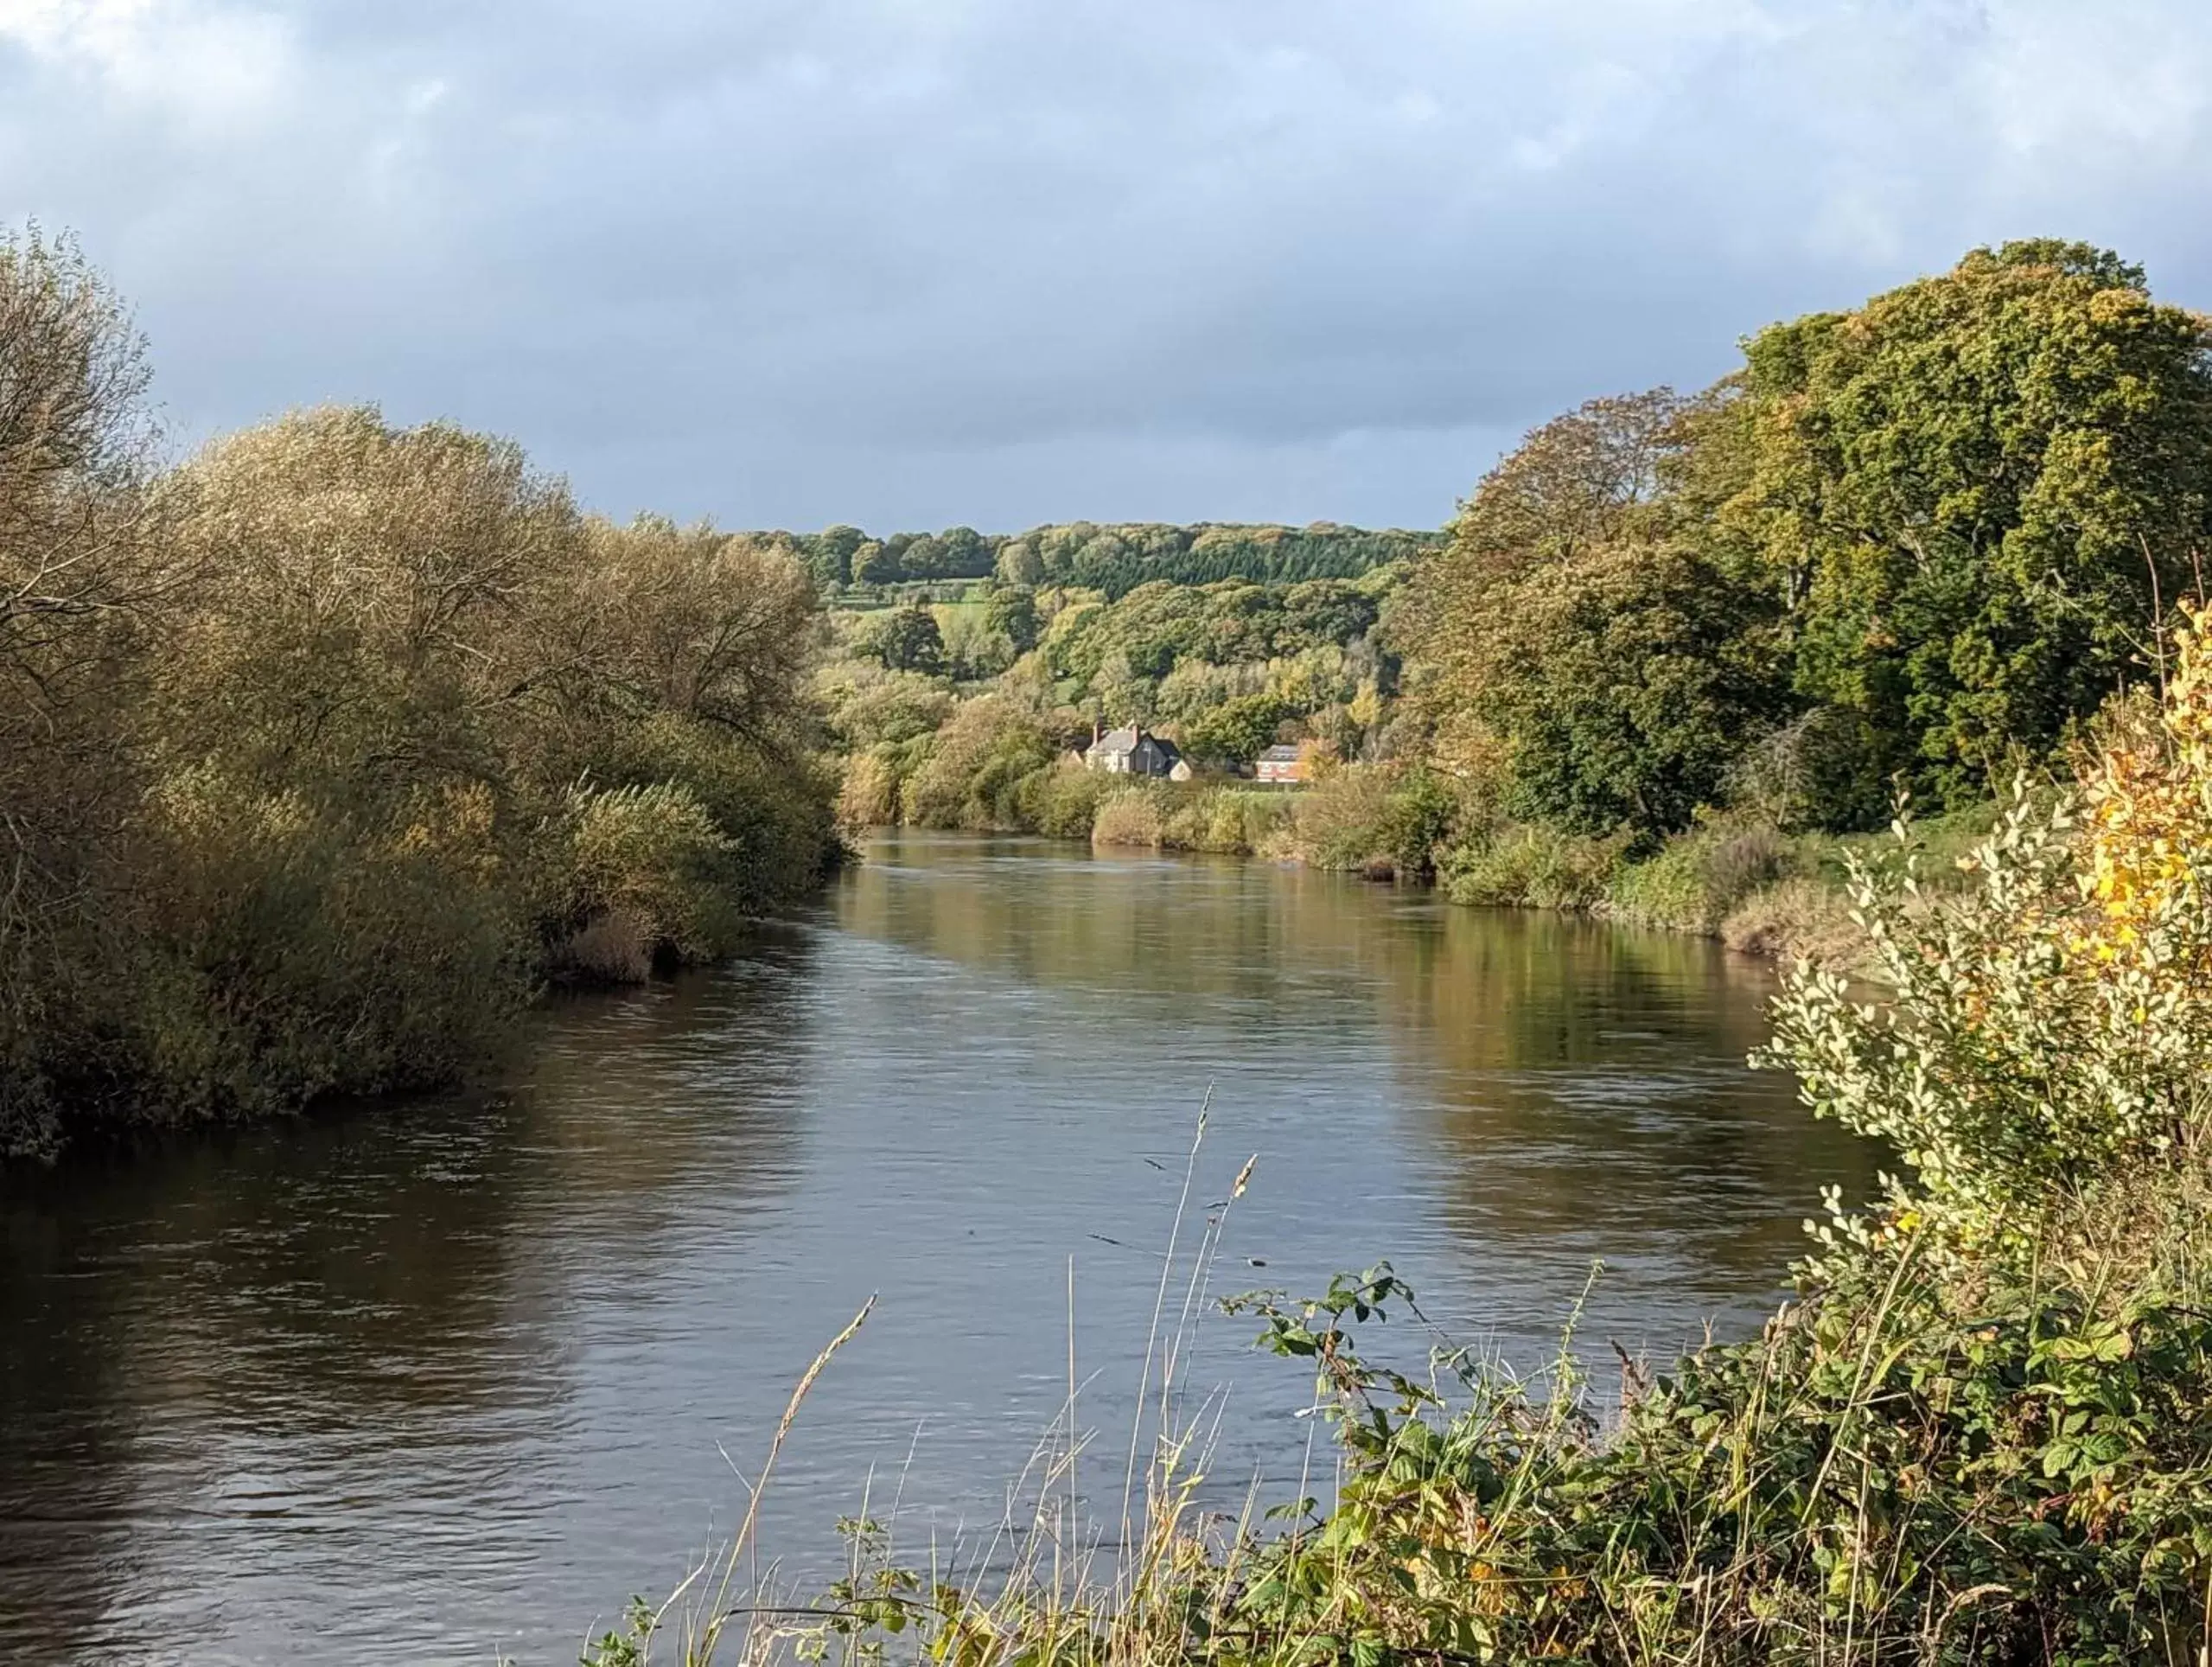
905	640
1114	558
973	771
1384	819
1973	492
1975	1437
324	745
1532	867
2050	1024
1694	884
1237	731
1919	542
1012	613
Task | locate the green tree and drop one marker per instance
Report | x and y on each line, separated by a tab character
924	558
1012	613
908	640
1515	655
1626	683
1019	563
964	553
831	550
1975	493
1238	731
876	564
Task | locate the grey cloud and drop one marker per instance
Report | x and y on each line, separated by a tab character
915	261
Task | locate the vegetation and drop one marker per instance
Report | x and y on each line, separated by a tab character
1111	559
321	749
1975	1436
974	728
1914	546
1675	654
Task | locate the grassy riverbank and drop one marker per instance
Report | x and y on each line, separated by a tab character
1981	1431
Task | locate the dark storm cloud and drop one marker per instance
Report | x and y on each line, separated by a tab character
919	261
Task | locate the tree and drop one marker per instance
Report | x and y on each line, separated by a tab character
924	558
908	640
831	550
1019	563
1592	478
1012	612
875	564
1975	494
1238	731
1626	683
964	553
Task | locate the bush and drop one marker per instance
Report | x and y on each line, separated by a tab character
972	773
1132	816
655	857
1695	883
1063	800
868	794
366	728
1532	868
288	952
1230	821
1381	818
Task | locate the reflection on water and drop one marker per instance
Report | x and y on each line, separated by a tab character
438	1381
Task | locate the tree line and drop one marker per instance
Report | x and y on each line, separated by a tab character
1913	549
1111	559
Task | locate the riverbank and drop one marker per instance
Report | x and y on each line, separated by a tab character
1977	1435
1735	878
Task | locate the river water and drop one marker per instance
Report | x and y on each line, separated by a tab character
447	1381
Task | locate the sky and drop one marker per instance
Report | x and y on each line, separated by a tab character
918	263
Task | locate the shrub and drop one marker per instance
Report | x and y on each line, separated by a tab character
1063	800
868	794
1132	816
1694	883
655	856
291	950
1532	868
973	772
2050	1023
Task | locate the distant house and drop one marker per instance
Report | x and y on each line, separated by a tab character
1281	764
1133	750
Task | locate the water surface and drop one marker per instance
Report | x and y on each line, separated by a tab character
447	1381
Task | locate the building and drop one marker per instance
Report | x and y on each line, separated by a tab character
1133	750
1281	764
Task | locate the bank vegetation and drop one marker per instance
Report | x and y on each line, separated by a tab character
324	748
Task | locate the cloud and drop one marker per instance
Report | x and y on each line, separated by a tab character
212	71
910	260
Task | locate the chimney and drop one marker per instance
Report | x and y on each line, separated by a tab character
1097	733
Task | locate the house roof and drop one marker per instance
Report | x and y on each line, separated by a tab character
1129	737
1279	756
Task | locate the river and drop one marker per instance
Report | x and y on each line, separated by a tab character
447	1381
